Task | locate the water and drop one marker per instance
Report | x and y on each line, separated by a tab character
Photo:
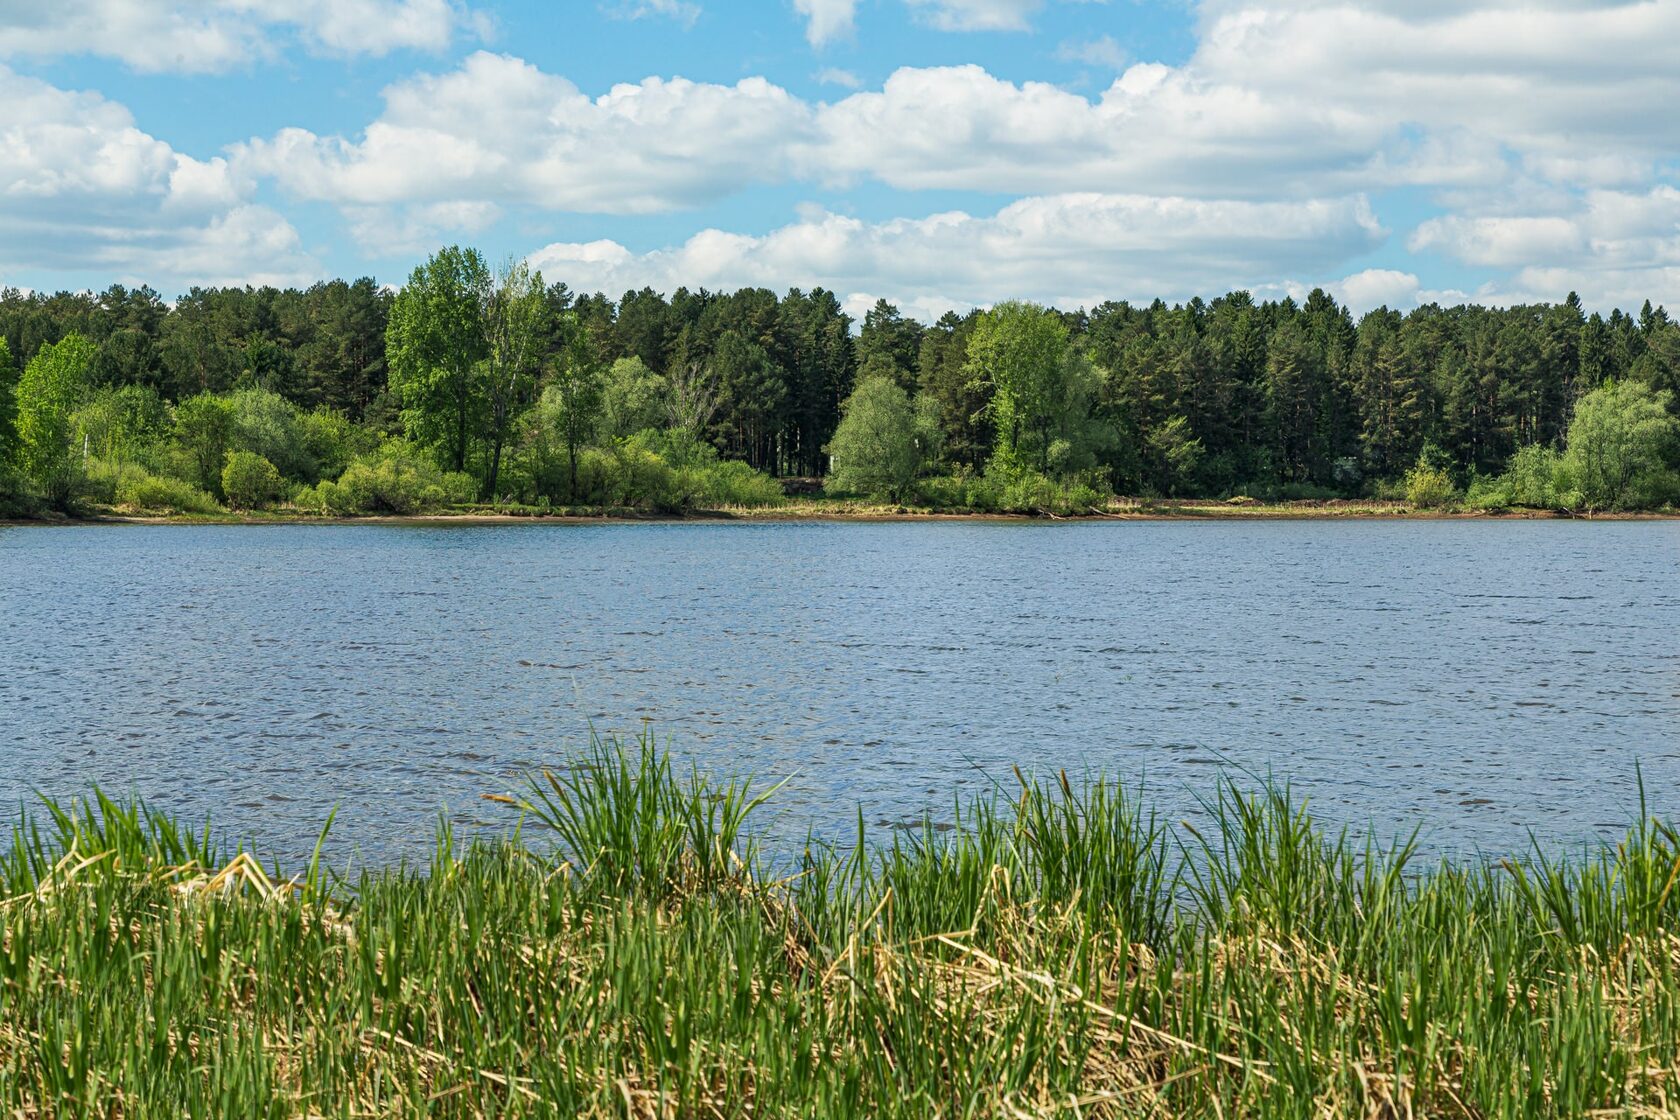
1484	680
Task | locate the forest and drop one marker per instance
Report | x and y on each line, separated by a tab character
477	386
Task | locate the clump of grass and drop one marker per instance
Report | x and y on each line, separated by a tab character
626	952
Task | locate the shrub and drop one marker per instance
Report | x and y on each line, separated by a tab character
639	477
398	480
326	497
52	385
1429	487
332	441
204	431
1012	490
140	489
1532	477
250	482
104	477
1487	493
268	425
674	471
734	483
947	492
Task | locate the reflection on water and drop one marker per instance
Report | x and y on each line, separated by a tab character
1483	679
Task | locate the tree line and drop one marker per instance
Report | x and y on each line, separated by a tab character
479	383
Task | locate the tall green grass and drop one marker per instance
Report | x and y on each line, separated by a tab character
624	951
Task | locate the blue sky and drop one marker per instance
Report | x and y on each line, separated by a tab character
938	153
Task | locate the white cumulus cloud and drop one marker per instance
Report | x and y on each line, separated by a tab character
84	189
498	130
1067	249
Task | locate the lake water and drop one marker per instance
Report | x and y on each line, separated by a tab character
1484	680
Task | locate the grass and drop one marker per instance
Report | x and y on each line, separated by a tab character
625	952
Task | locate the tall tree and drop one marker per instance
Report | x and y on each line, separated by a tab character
52	385
959	400
571	403
1020	351
889	345
755	392
632	399
205	427
434	345
1293	369
814	341
693	399
883	441
342	344
513	312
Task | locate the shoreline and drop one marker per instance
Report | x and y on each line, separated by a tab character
1166	510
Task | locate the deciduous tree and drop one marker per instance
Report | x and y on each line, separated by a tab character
435	344
52	385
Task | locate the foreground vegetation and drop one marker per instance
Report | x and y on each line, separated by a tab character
628	952
479	385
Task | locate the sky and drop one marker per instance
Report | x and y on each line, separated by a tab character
941	154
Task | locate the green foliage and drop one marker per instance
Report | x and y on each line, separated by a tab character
889	345
663	472
1537	478
515	322
267	424
122	423
1019	352
1534	476
1429	487
205	429
1275	399
53	384
400	479
435	345
1622	447
250	481
1002	490
1177	454
131	486
1026	491
8	418
633	399
331	441
883	441
1488	494
724	483
625	476
567	413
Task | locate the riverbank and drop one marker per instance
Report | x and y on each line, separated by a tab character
842	509
626	953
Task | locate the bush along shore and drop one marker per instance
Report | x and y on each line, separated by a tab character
625	951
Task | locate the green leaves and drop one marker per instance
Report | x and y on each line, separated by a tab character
434	343
1622	445
882	443
52	385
